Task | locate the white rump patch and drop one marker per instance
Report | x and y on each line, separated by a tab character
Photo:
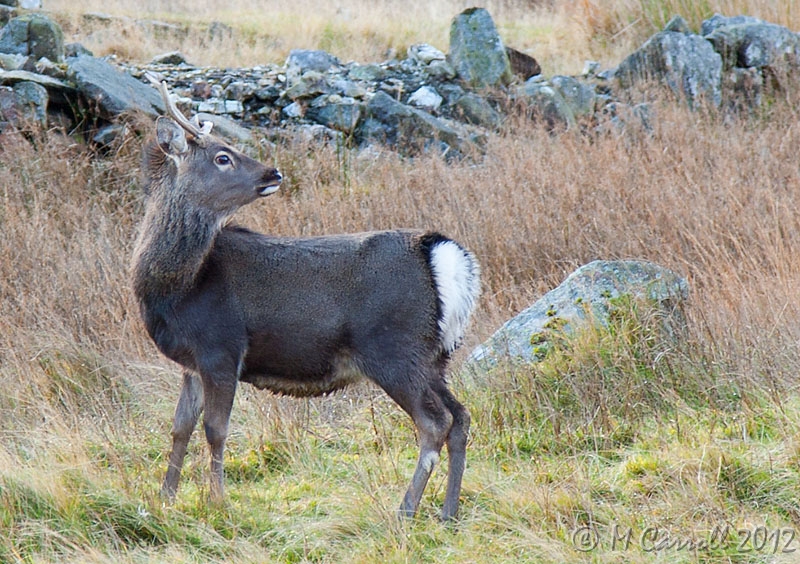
457	277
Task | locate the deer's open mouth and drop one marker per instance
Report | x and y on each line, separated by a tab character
268	189
270	185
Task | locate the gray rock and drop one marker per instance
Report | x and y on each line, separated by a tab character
33	100
398	124
35	35
293	110
718	20
439	71
578	95
590	68
113	91
476	51
218	106
107	135
583	298
477	111
371	72
7	13
238	90
546	103
310	84
742	88
17	76
757	44
300	61
340	116
12	61
677	24
30	4
687	64
424	53
170	58
349	88
427	98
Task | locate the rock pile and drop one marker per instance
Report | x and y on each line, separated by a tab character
428	100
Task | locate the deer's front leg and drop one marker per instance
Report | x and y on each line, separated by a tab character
190	405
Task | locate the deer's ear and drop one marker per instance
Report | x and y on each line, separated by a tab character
171	137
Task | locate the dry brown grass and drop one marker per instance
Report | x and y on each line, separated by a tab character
560	35
711	198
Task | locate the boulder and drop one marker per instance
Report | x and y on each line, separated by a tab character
476	51
397	124
477	111
22	104
546	103
342	115
112	90
34	35
33	100
751	43
15	76
687	64
579	96
169	58
301	61
309	85
585	297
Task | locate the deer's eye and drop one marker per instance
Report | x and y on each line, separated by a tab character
223	159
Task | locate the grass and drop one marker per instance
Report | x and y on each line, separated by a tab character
622	445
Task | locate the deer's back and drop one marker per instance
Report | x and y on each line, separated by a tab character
310	313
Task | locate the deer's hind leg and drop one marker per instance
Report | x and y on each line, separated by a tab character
188	410
456	449
415	391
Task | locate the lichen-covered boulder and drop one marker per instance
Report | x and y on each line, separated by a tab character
584	297
476	51
34	35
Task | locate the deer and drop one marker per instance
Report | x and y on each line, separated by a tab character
299	317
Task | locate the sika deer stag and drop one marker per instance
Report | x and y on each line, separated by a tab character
301	317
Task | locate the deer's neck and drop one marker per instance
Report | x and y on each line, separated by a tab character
172	247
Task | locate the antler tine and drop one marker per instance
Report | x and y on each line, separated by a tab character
176	114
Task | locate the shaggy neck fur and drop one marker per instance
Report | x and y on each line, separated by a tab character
174	240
